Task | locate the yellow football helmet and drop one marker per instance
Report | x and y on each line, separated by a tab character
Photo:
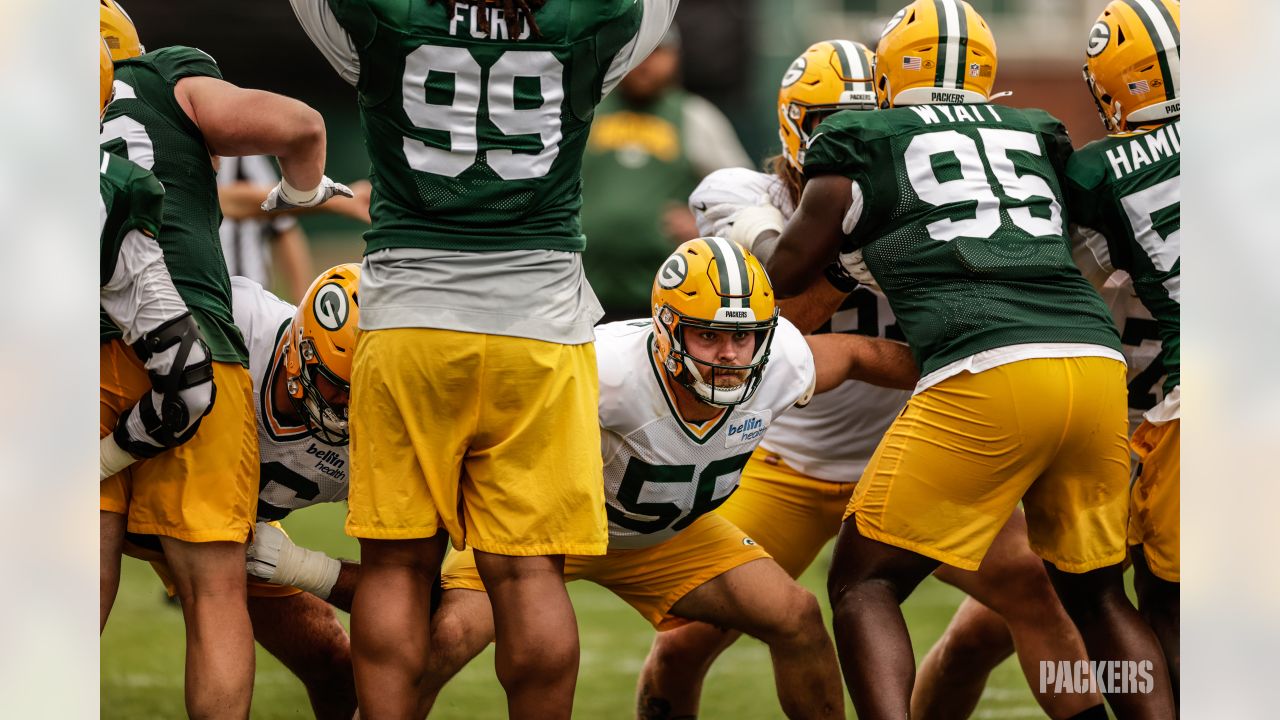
116	27
710	283
830	76
1132	62
106	75
935	51
319	348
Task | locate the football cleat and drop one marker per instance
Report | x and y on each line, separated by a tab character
829	76
116	27
1132	63
935	52
711	283
319	349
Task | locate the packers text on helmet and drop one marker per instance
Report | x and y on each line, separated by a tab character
712	284
319	349
1132	62
116	28
935	52
829	76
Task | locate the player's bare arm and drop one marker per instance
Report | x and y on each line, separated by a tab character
240	121
838	357
812	237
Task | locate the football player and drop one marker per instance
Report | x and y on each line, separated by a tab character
1124	192
145	309
476	115
954	207
300	362
685	398
171	110
797	484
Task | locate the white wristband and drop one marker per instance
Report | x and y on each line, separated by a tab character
309	570
112	458
302	198
750	222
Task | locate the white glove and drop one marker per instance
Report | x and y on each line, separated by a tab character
853	264
749	223
273	557
112	458
284	196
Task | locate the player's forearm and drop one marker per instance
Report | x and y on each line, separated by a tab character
293	258
839	357
344	590
238	121
810	309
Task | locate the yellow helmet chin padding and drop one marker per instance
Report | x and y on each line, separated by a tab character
935	51
1132	62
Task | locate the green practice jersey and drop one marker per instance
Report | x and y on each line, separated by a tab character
145	124
962	226
476	138
131	199
1127	187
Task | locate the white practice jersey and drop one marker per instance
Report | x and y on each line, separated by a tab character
1140	340
297	469
661	473
833	437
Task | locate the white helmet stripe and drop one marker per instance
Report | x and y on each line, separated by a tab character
949	41
1165	39
735	270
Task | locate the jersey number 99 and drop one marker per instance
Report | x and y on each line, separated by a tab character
459	118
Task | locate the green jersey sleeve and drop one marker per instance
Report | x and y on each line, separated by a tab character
132	199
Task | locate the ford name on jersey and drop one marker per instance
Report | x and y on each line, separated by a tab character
661	473
297	470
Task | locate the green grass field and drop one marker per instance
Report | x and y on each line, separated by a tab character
142	653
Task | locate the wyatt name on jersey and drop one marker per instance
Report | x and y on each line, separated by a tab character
468	17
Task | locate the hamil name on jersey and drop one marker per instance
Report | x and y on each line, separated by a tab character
954	113
469	16
749	430
1144	150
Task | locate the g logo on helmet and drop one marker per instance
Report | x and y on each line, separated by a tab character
1099	36
330	306
893	22
795	72
673	272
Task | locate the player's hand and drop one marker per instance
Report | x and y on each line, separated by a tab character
285	197
263	557
112	458
273	557
856	267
